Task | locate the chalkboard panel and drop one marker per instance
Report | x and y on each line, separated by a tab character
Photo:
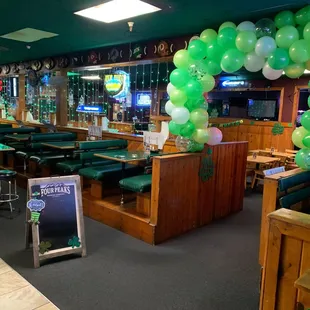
56	216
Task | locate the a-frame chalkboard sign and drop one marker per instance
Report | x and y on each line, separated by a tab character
55	218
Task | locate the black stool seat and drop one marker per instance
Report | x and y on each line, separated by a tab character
7	175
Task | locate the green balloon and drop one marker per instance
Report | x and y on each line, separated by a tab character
309	101
302	159
305	120
302	17
300	30
284	18
193	89
193	104
215	51
306	32
246	41
306	141
299	51
195	147
286	36
187	130
212	67
174	128
181	59
207	82
298	135
227	38
227	25
178	97
279	59
294	71
197	49
179	77
232	60
201	136
199	118
208	35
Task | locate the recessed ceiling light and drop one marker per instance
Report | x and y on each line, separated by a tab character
29	35
91	77
118	10
99	69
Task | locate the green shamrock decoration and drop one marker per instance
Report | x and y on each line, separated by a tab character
290	125
252	123
74	242
207	167
277	129
44	247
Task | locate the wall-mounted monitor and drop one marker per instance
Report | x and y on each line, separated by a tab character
144	99
263	109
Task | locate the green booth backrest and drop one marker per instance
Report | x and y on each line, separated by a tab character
5	126
22	130
295	197
89	156
55	136
289	182
103	144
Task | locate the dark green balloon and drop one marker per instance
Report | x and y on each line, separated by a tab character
306	140
227	38
279	59
305	120
284	18
215	51
174	128
187	130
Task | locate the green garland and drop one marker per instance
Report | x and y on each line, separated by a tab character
225	125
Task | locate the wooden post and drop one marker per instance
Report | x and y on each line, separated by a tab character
61	100
21	97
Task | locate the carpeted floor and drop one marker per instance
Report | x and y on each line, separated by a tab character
212	268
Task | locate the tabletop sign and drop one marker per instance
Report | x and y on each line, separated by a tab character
154	138
95	131
274	171
55	212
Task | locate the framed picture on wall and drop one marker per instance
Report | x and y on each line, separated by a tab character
225	109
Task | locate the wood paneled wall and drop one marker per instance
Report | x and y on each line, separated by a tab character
287	258
181	201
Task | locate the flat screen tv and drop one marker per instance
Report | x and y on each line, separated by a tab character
162	106
144	99
263	109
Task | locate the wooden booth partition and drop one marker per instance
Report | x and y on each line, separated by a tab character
286	279
181	200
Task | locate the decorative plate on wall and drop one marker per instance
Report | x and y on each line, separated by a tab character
49	63
32	78
6	69
114	55
15	68
36	65
63	62
163	49
93	58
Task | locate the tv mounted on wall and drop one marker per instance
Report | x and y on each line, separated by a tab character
263	109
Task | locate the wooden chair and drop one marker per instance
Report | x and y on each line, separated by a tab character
282	161
259	174
269	150
290	151
248	173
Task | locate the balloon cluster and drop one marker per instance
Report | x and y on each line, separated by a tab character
301	138
273	46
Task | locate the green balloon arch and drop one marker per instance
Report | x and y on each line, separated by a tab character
275	47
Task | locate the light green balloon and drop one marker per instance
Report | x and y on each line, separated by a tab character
299	51
286	36
207	82
201	136
232	60
302	159
294	71
284	18
298	135
181	59
227	37
178	97
199	118
306	32
246	41
227	25
208	35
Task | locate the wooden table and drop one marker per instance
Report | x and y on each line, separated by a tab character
19	138
16	293
280	154
63	145
6	148
258	160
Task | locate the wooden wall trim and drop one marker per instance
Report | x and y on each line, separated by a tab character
21	97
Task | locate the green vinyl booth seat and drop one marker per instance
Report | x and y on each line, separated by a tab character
103	145
22	130
46	159
138	184
55	136
109	172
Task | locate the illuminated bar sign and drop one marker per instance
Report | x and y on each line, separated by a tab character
89	109
234	84
117	85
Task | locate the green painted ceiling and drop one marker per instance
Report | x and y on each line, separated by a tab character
178	17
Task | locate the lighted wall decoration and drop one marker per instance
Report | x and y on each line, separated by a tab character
117	85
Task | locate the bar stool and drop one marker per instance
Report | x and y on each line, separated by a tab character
9	177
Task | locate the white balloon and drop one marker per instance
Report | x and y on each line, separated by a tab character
246	26
271	74
180	115
265	46
253	62
170	88
169	107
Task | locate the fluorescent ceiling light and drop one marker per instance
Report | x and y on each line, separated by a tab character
116	10
91	77
29	35
99	69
